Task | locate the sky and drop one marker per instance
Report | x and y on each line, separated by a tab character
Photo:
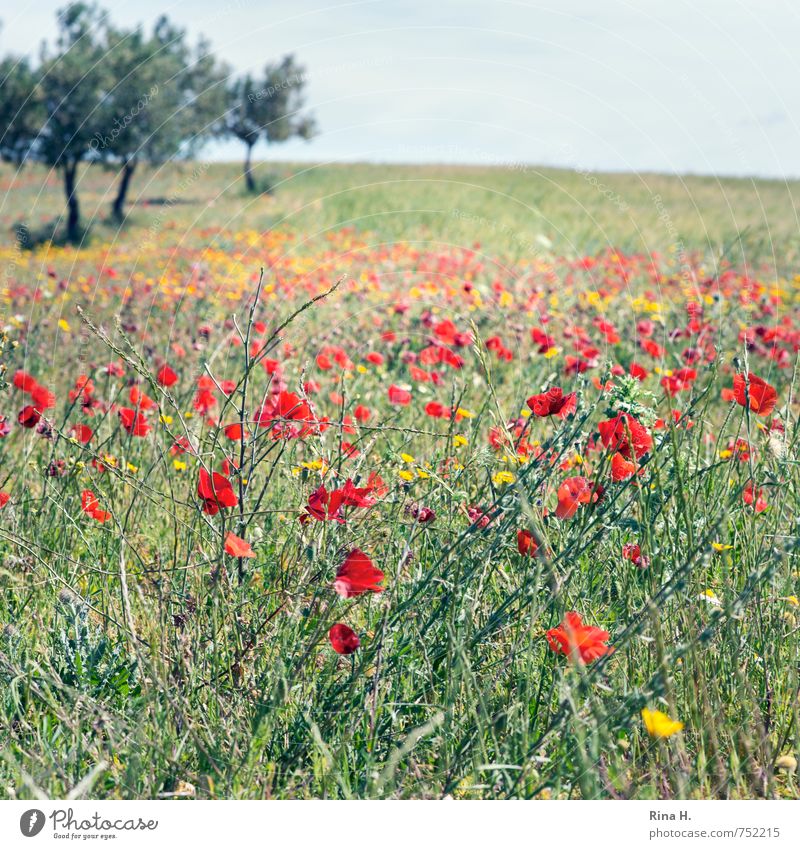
706	86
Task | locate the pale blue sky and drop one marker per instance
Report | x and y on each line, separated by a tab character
703	86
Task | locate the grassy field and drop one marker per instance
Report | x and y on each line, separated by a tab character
324	530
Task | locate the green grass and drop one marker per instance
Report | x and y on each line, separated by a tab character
133	653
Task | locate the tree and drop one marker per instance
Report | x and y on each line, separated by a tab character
268	108
20	109
167	100
110	95
72	88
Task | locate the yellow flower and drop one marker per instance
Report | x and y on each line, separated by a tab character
406	475
465	413
179	465
719	546
459	440
406	458
658	724
132	468
792	599
550	353
165	419
503	477
64	325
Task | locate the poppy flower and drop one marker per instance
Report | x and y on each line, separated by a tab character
755	498
4	498
237	547
42	398
621	469
571	494
216	492
527	544
324	505
166	376
91	506
234	431
638	371
553	403
134	422
24	382
625	434
761	395
399	396
678	381
140	400
357	575
362	413
579	642
631	551
29	416
83	433
344	640
289	416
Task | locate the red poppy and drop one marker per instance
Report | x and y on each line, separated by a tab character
289	416
762	396
216	492
362	413
134	422
83	433
399	396
357	575
234	431
326	506
621	469
237	547
527	545
140	400
4	498
638	371
91	506
166	376
29	416
343	639
24	381
631	551
626	435
42	398
553	403
579	642
679	381
571	494
755	498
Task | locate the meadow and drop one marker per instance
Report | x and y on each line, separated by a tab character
400	482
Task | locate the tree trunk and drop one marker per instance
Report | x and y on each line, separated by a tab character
73	209
248	176
118	207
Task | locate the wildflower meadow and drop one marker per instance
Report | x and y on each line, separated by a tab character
400	482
